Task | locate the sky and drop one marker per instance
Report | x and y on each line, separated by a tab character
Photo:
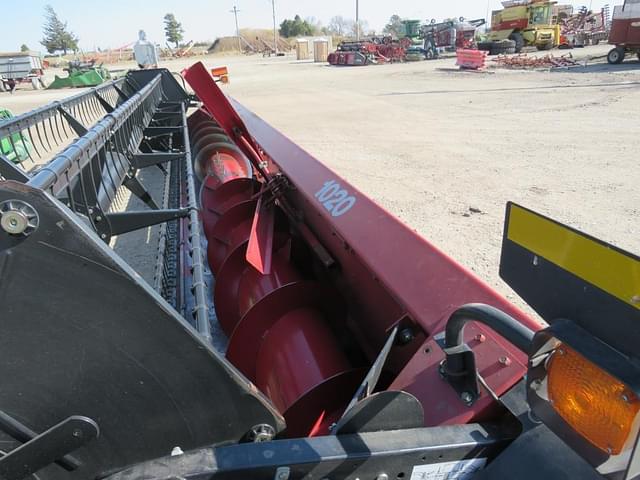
114	23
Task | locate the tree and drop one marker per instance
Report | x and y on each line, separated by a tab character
339	25
315	25
394	27
56	36
296	28
173	29
24	48
364	25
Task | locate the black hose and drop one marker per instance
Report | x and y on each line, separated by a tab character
507	326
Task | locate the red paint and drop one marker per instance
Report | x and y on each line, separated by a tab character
298	353
385	273
390	273
519	24
222	160
260	245
473	59
623	32
239	286
232	229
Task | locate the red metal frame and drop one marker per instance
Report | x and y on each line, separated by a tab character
387	274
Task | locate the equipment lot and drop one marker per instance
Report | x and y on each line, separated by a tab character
444	150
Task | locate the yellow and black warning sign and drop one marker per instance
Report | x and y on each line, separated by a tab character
564	273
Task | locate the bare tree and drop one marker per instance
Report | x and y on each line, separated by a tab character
364	26
339	25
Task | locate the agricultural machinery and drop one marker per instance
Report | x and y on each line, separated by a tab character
21	67
585	27
449	35
81	73
374	50
625	31
522	23
354	348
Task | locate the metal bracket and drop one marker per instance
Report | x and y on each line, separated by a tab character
459	369
10	171
24	434
370	381
73	121
165	115
130	221
143	160
107	107
123	96
46	448
153	132
137	188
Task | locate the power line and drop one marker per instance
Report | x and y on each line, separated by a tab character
235	12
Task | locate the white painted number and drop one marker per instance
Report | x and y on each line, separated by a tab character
336	200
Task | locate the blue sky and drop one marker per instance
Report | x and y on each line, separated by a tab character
113	23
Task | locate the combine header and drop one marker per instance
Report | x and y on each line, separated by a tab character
354	348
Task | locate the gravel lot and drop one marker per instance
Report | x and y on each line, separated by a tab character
444	150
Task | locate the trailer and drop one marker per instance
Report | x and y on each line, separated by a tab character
294	329
625	31
20	67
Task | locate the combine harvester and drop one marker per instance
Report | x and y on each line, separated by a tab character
356	350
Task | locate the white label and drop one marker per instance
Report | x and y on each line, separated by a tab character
336	200
461	470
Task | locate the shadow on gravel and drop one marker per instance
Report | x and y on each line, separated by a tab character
627	66
518	89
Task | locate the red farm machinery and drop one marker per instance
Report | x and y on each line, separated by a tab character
625	31
346	346
374	50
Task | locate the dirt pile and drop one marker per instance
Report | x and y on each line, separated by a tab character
252	41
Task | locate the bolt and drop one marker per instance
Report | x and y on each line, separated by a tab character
536	260
14	222
98	218
262	432
90	211
625	398
282	473
560	351
382	476
504	361
77	433
536	384
405	336
466	397
635	300
480	337
103	236
176	451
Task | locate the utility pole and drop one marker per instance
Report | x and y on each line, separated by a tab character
275	30
357	21
235	12
488	17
